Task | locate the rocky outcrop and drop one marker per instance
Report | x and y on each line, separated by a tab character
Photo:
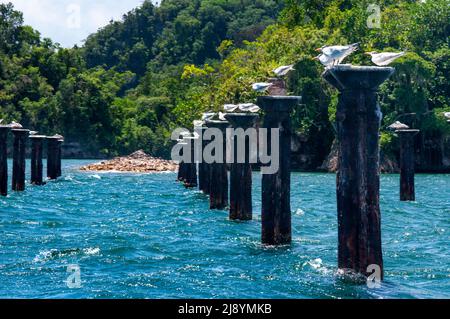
387	164
138	162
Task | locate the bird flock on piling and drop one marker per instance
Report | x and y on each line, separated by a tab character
330	56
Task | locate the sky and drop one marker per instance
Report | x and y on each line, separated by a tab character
69	22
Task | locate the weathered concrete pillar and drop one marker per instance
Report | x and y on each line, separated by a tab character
36	159
358	179
59	156
19	165
4	160
52	157
191	167
407	164
276	187
203	172
218	190
180	172
182	165
241	169
205	168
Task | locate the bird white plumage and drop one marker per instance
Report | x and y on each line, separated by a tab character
249	107
15	125
198	123
325	60
385	58
32	133
208	116
230	107
447	115
261	87
337	53
283	70
222	116
398	126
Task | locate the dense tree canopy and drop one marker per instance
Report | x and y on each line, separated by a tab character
137	79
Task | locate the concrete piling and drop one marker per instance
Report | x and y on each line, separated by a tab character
182	166
218	194
203	171
190	180
59	156
37	142
407	164
358	179
19	164
52	157
241	170
276	187
4	129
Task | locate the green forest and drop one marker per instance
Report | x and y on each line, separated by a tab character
161	67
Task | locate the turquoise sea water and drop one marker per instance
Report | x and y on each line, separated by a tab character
145	236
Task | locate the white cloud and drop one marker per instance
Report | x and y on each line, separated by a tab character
69	22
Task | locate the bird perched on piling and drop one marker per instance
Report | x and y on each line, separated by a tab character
398	126
249	107
208	116
283	70
230	107
1	121
325	60
198	123
261	87
447	115
15	125
33	133
221	116
338	53
385	58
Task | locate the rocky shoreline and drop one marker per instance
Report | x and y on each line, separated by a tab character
138	162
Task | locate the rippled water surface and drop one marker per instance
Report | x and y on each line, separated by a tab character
145	236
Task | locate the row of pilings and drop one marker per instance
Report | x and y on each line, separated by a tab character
20	138
358	120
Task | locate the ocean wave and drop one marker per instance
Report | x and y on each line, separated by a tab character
53	254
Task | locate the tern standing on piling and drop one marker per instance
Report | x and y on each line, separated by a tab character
261	87
15	125
338	53
398	126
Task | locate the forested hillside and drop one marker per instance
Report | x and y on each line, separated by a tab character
117	92
135	80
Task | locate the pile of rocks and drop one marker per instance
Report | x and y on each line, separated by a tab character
138	162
